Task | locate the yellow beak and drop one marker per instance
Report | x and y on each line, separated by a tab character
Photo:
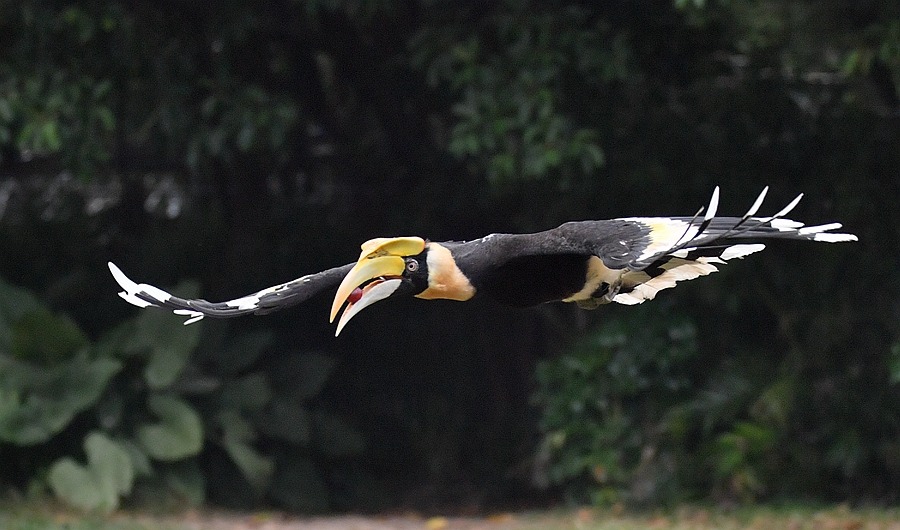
376	290
381	263
365	270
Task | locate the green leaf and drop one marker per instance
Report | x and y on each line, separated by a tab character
40	401
140	462
775	403
168	342
98	485
15	303
250	392
114	342
50	136
234	426
106	117
237	435
893	363
111	462
242	351
256	468
77	486
45	337
179	434
186	478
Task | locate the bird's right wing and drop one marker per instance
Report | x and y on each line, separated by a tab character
654	253
637	243
262	302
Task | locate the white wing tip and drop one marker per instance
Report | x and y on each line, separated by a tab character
713	205
828	237
123	281
628	299
129	294
739	251
787	209
757	203
195	315
823	233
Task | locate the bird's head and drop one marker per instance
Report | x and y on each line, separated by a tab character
386	266
399	266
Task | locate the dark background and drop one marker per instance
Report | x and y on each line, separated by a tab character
243	144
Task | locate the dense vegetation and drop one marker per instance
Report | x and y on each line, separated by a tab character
228	146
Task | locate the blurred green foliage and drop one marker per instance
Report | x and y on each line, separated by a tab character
610	409
634	414
108	475
508	71
245	144
142	419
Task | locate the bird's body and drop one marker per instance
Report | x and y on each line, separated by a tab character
625	260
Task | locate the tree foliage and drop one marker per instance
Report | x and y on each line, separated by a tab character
248	143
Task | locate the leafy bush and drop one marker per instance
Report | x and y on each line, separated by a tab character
146	400
625	418
610	433
634	414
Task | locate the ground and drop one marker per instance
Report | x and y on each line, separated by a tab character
688	518
685	518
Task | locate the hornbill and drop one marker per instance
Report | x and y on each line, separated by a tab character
626	260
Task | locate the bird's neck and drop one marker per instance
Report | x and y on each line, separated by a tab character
445	280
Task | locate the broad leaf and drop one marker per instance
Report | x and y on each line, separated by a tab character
256	468
39	401
186	479
237	435
893	363
76	485
167	342
45	337
178	435
99	484
243	351
250	392
15	302
110	462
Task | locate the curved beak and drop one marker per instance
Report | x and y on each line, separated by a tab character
371	293
381	270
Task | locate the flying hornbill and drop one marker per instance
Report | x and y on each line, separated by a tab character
626	260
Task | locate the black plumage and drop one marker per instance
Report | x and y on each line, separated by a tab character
624	260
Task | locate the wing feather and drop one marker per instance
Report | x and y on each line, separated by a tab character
651	253
261	302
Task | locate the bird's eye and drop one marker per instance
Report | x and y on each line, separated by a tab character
412	265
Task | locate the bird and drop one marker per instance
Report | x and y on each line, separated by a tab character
595	262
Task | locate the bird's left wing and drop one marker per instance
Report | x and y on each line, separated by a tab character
262	302
642	255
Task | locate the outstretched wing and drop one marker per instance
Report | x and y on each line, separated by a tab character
683	248
642	255
262	302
